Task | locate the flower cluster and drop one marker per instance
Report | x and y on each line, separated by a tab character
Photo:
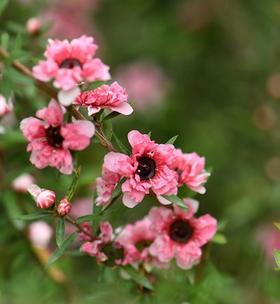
168	232
163	235
151	168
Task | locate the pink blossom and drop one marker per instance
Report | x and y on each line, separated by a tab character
268	237
191	170
145	82
23	182
69	63
147	169
6	107
40	234
33	25
136	239
87	229
64	207
180	235
51	140
95	248
44	198
113	97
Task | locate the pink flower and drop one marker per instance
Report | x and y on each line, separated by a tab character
44	198
268	237
23	182
6	107
69	63
40	234
147	169
191	170
180	235
136	239
88	230
145	82
64	207
33	25
51	140
95	248
113	97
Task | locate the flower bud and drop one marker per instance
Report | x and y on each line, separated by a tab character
33	26
40	234
64	207
45	199
22	182
6	107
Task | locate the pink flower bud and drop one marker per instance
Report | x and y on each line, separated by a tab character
45	199
40	234
64	207
33	25
6	107
23	182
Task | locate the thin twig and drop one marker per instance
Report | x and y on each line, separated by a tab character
70	220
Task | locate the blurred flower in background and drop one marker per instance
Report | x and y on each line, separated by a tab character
23	182
268	237
145	82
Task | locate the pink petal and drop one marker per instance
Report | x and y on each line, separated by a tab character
123	108
53	114
77	134
32	128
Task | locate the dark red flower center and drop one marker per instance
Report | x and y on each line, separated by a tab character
180	231
146	167
70	63
54	137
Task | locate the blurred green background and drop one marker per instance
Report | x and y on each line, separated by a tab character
209	71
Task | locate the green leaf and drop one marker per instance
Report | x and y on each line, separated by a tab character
111	115
277	225
220	239
87	218
72	189
277	258
172	140
120	145
34	216
12	209
3	5
60	228
108	129
5	40
176	201
60	251
138	277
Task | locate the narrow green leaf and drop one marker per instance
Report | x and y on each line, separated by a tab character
60	251
33	216
277	258
277	225
3	5
138	277
5	40
87	218
72	189
121	146
108	129
172	140
60	228
176	201
111	115
220	239
12	209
